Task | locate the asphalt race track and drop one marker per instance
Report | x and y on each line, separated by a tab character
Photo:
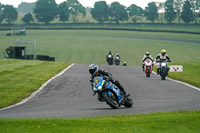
70	95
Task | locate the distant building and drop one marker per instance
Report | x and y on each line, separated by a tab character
25	7
88	9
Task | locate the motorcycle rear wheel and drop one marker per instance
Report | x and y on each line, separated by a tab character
111	101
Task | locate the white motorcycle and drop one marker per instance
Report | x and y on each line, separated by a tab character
148	63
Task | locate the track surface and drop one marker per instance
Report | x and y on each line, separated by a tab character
70	95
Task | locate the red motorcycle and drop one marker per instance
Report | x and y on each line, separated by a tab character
148	64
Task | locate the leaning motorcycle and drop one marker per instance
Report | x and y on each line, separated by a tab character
110	93
163	71
110	59
148	63
117	61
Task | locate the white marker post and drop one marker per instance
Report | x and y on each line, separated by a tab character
175	68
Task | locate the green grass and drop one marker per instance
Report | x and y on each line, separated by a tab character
173	122
190	74
85	46
18	79
91	46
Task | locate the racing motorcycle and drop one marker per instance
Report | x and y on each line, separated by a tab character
117	60
163	69
110	59
148	67
110	93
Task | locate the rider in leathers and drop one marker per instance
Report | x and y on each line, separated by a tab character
161	58
146	56
109	53
94	71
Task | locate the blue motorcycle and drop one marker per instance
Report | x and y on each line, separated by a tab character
163	69
110	93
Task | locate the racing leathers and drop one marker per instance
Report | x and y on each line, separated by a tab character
107	76
144	58
162	58
109	56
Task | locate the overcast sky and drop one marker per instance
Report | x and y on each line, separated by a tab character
86	3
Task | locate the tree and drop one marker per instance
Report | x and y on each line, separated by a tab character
10	13
75	8
196	9
118	12
151	12
187	13
178	5
45	10
161	7
100	11
27	18
63	12
170	13
135	12
1	13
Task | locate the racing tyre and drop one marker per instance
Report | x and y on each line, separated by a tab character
110	100
163	77
128	102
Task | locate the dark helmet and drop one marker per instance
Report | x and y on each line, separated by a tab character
109	52
163	52
93	68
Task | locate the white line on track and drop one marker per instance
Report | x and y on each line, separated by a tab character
180	82
40	89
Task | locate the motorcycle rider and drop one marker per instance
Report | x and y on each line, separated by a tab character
117	58
109	54
124	64
94	71
146	56
161	58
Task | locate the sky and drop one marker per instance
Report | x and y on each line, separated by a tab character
88	3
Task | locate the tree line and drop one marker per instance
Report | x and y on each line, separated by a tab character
47	10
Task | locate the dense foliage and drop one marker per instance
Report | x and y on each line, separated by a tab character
27	18
10	13
47	10
187	14
151	12
100	11
170	13
63	12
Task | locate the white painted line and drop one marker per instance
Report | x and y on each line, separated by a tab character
40	89
180	82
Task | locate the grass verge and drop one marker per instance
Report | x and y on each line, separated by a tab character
190	74
173	122
19	78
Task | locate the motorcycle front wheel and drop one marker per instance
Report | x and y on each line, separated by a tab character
110	100
163	77
128	102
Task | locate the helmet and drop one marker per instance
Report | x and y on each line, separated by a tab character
93	68
147	53
163	52
109	52
117	54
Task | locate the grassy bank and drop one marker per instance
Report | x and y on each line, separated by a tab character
173	122
190	74
18	79
85	46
